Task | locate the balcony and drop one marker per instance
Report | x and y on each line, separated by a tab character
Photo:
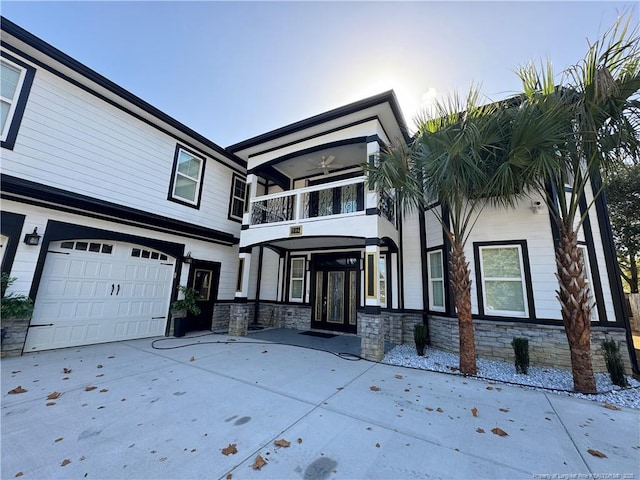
337	198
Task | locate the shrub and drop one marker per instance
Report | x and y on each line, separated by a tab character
420	337
521	350
613	360
13	305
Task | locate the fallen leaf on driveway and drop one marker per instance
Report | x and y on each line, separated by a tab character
373	388
65	462
58	440
429	409
16	390
230	450
474	411
439	410
504	409
19	474
259	463
479	430
299	440
99	366
104	390
399	377
192	359
89	388
499	431
597	453
66	370
281	443
489	387
50	404
229	476
53	395
610	407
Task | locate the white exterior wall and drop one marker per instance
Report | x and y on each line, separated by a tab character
412	261
27	256
253	273
434	232
70	139
270	278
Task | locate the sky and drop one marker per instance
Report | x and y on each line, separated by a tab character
234	70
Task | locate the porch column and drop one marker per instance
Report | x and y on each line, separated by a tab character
252	190
371	196
240	310
371	321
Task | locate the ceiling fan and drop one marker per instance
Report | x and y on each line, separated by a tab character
326	163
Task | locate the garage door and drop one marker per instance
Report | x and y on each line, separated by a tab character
94	291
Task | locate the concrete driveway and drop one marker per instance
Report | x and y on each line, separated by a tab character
126	410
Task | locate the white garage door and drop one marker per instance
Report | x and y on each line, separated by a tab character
95	291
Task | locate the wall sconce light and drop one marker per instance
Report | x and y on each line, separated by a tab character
187	258
32	238
536	206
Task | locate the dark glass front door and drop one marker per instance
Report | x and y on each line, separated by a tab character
335	292
203	278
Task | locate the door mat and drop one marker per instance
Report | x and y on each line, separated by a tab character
319	334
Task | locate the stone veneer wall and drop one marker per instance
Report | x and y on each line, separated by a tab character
398	326
284	315
548	345
221	317
15	331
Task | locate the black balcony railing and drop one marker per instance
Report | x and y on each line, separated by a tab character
279	209
333	201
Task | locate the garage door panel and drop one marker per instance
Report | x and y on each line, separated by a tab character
93	292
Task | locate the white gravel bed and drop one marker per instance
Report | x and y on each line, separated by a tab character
549	379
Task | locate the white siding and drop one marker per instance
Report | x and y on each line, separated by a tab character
435	234
72	140
269	279
253	273
521	223
27	256
412	262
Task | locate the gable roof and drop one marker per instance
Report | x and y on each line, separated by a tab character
387	97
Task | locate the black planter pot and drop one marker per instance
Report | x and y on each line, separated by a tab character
181	326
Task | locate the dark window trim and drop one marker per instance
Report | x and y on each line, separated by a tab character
526	266
21	102
174	172
429	250
11	227
232	197
304	279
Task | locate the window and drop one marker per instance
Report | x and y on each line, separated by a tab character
186	184
15	82
502	280
436	281
237	202
296	283
382	280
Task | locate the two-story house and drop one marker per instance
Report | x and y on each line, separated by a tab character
321	249
108	205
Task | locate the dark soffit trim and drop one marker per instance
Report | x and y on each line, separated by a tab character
107	210
385	97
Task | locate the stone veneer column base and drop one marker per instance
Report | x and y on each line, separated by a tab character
15	331
239	321
371	331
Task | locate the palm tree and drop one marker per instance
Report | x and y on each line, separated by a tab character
601	125
447	163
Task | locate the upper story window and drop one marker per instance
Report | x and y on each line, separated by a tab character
186	181
237	201
502	280
15	80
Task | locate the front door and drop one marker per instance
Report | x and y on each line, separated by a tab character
203	278
335	292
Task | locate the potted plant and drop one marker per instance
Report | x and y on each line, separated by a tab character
15	311
182	308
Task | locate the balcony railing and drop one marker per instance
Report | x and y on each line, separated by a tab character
387	207
337	198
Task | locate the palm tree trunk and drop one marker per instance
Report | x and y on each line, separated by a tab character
573	295
633	270
461	284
